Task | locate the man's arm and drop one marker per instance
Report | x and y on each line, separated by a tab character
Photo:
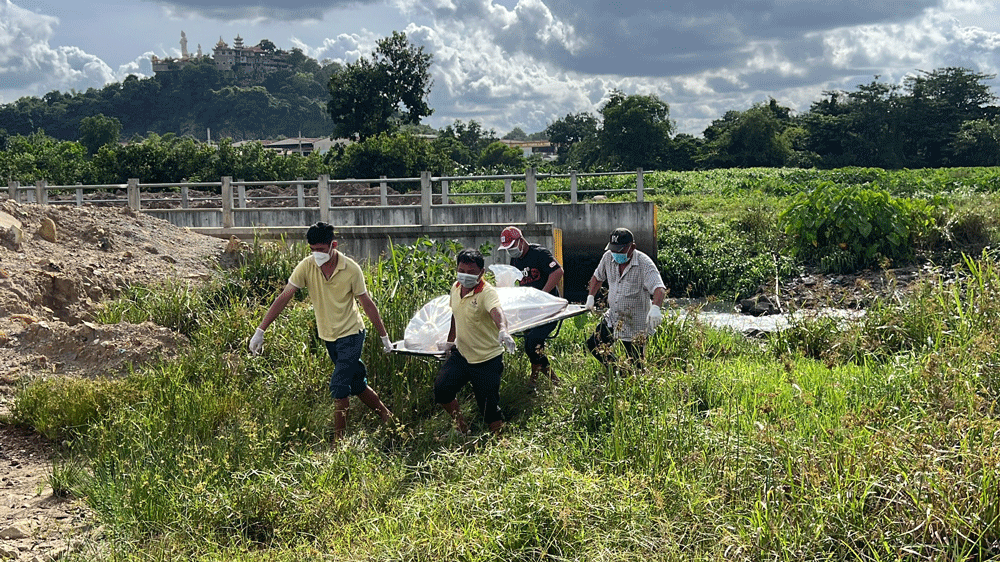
553	282
595	285
279	304
371	310
499	318
658	295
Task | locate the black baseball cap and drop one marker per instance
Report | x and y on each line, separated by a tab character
620	238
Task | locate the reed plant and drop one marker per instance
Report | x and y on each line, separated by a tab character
872	442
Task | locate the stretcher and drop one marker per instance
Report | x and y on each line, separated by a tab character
524	307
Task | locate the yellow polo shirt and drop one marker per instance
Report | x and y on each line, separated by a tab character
333	299
476	335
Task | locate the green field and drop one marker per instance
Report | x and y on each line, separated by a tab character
875	441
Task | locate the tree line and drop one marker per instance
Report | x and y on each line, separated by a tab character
940	118
943	117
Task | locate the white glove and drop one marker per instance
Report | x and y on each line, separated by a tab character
507	342
386	344
445	346
257	342
590	302
654	318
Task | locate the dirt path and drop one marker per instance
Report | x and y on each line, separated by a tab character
57	264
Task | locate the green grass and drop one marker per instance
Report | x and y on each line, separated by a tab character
876	441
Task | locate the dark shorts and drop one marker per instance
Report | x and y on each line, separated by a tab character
349	373
485	378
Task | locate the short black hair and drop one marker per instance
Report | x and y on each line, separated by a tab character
471	255
320	233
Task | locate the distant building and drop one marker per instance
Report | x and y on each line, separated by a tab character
304	145
545	149
239	58
252	60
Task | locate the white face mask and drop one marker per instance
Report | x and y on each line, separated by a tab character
514	251
322	257
467	280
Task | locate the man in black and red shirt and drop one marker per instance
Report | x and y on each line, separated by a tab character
539	269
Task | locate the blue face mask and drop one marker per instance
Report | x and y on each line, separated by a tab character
619	258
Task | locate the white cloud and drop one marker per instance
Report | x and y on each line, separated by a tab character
30	66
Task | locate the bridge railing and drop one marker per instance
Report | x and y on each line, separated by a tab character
226	194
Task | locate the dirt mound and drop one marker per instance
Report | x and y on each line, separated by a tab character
57	265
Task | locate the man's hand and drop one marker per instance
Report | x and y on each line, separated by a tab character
445	346
507	342
590	302
257	342
654	318
386	344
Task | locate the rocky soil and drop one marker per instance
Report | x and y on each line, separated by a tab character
57	264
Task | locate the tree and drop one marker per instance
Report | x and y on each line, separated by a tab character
749	138
471	135
977	143
937	104
394	156
376	95
570	130
516	133
498	157
267	45
98	131
861	128
635	131
682	153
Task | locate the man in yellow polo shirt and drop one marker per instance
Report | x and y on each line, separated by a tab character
475	345
336	285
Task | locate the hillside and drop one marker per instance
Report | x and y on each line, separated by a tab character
189	101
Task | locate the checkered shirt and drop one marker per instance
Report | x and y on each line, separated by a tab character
629	293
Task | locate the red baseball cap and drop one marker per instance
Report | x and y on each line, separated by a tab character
509	237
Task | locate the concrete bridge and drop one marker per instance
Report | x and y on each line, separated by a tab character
574	223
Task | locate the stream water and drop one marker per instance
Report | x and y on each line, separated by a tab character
724	315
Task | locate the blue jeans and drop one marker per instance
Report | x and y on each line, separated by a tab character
349	373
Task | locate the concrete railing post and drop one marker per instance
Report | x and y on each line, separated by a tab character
79	195
41	194
184	196
227	202
241	193
638	186
323	192
508	194
383	192
444	192
425	199
300	193
13	190
530	196
132	192
572	187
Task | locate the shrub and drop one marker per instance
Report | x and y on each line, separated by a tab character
847	228
702	258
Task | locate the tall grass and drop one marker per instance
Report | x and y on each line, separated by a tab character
875	442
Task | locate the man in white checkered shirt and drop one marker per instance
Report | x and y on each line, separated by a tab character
632	279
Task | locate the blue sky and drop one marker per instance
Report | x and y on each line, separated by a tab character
526	63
